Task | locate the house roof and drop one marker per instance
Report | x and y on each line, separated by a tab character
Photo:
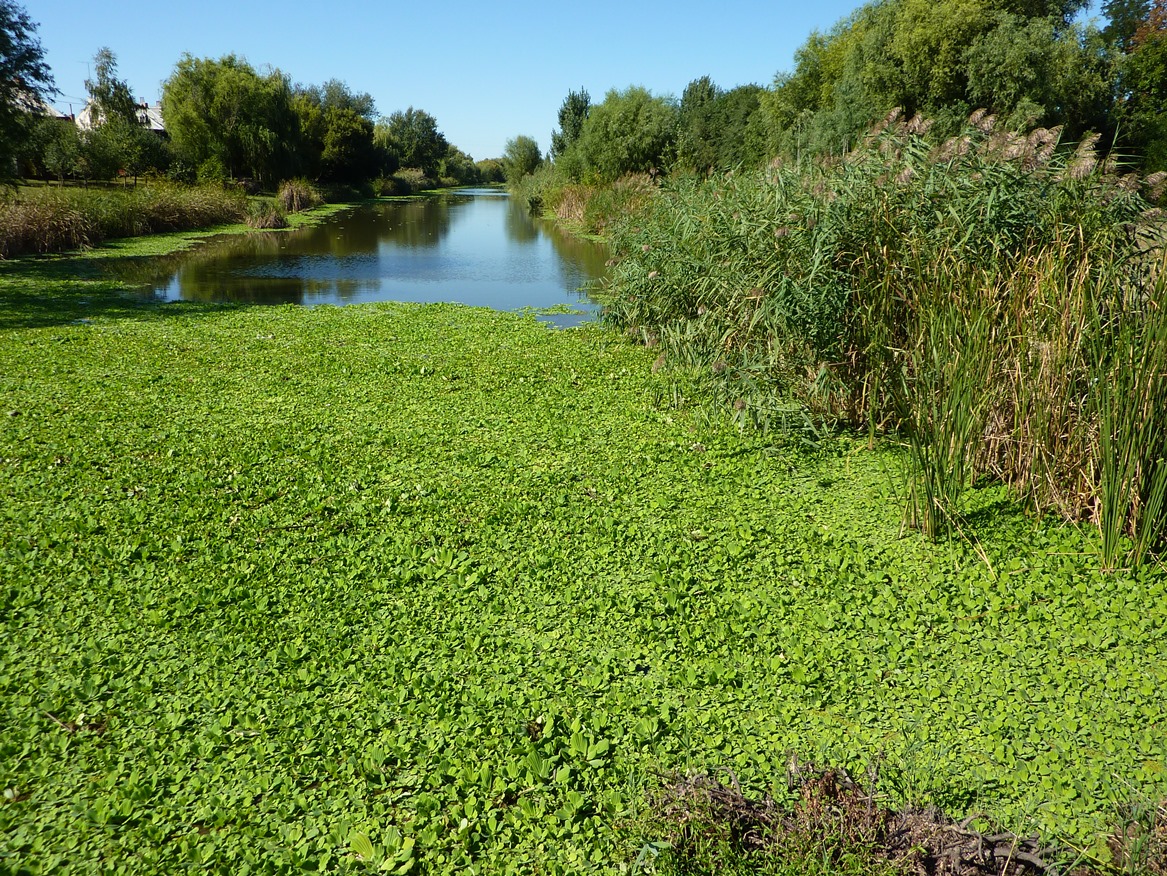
40	107
149	116
88	118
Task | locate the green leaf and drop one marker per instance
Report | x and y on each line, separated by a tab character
361	845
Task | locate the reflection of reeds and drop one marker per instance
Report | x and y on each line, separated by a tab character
994	301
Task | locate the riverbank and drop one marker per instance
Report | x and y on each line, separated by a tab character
431	584
49	219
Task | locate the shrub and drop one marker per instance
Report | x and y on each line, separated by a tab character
413	179
592	208
212	171
298	194
337	192
490	170
388	186
266	215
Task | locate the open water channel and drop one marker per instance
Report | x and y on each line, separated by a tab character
472	246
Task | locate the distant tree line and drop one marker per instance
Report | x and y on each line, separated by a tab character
1029	63
223	120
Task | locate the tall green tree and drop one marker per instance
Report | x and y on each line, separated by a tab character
223	113
520	158
110	96
100	156
573	112
1123	18
335	94
1023	60
697	126
348	153
740	137
55	147
412	139
842	81
25	80
631	131
336	132
119	140
1142	106
122	146
1036	71
718	128
459	167
490	170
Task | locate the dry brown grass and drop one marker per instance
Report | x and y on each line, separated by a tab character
833	819
298	194
836	821
60	219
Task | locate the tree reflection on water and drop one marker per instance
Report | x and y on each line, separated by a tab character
477	247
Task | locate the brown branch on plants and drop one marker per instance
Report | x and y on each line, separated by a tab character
835	818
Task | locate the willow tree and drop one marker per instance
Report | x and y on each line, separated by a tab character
224	114
632	131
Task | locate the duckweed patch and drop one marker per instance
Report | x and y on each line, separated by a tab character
425	589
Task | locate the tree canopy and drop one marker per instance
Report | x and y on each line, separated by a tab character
631	131
336	132
25	80
1142	107
521	157
718	128
412	139
572	114
1023	60
224	114
110	96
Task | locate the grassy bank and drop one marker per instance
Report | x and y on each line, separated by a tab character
996	302
52	219
437	589
587	209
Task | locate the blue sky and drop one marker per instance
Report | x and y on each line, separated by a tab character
487	72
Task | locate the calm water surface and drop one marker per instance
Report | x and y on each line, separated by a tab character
473	246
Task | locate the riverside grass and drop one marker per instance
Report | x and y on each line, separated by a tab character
54	219
436	589
995	301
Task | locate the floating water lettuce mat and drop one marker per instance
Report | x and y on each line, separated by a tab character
434	589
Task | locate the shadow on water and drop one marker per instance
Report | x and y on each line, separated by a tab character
43	292
471	246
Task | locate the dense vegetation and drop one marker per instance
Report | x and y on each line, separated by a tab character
430	589
24	76
433	589
995	302
46	219
1028	64
228	130
224	121
983	278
